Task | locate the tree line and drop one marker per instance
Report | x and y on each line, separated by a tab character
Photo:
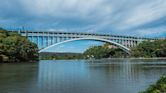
146	49
16	48
103	51
60	56
150	49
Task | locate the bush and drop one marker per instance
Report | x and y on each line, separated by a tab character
159	87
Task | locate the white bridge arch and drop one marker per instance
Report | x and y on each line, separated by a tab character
127	50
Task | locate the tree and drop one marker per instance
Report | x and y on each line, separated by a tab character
104	51
16	47
155	48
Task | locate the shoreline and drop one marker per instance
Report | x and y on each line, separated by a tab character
20	62
140	58
113	58
159	58
116	58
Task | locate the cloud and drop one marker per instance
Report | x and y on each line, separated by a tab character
146	13
124	17
152	32
64	8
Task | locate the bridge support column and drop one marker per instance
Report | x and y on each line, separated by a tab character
55	39
37	40
47	40
51	40
42	41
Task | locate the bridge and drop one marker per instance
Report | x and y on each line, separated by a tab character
48	39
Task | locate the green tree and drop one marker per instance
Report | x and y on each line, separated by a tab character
16	47
155	48
97	52
103	51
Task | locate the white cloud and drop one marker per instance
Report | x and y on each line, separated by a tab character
65	8
147	12
103	16
153	32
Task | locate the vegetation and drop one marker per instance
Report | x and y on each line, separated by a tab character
146	49
98	52
64	56
150	49
159	87
16	48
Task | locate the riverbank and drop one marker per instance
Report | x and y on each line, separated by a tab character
159	87
161	58
103	59
20	62
140	58
115	59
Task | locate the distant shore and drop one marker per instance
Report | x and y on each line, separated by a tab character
155	58
140	58
114	58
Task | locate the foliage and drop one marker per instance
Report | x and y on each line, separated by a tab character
155	48
147	49
62	57
159	87
16	48
98	52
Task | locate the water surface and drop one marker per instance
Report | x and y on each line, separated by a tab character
80	76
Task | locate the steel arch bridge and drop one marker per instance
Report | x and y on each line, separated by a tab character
96	39
48	39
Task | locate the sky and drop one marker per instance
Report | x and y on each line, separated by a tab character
75	46
143	18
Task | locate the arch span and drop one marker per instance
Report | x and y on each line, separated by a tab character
96	39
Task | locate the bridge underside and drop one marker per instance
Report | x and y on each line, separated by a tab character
127	50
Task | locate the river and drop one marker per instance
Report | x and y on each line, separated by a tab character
81	76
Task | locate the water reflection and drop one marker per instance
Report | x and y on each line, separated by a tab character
104	76
18	78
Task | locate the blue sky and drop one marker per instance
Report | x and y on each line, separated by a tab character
75	46
145	18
